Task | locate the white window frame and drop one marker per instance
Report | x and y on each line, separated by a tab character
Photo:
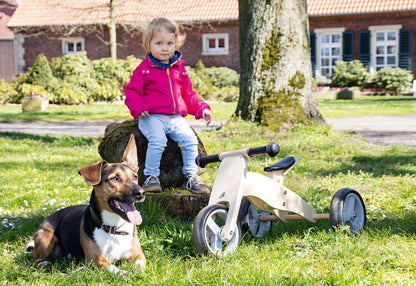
319	34
75	41
385	29
206	50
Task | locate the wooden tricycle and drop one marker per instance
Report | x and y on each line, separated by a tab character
245	201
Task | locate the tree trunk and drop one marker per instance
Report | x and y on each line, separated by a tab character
112	31
275	65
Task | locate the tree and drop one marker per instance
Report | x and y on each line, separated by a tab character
112	31
275	66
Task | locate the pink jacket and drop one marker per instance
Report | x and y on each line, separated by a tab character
164	91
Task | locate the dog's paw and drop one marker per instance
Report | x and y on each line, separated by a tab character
141	263
30	246
113	269
44	264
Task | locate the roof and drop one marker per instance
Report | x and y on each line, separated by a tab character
76	12
343	7
7	8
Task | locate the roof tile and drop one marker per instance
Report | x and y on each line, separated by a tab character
75	12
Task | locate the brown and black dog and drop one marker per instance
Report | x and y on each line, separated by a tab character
103	231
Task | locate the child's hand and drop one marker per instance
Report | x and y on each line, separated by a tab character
207	116
144	114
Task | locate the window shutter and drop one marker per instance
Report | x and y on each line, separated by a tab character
313	53
364	49
348	46
404	49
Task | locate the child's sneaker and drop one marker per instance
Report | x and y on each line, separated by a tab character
152	184
194	184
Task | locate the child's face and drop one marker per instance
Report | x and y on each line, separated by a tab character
162	45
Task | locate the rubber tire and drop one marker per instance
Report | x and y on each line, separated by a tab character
245	222
355	220
201	236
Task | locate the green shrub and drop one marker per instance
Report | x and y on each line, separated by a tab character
72	66
7	93
393	80
223	77
107	90
202	87
349	74
40	73
71	94
229	93
121	70
26	89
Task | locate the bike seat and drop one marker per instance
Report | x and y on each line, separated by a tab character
281	165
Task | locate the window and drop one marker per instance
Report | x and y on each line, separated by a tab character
72	45
329	50
215	44
385	43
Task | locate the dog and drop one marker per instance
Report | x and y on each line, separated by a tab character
103	231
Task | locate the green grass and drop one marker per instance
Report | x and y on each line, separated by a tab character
117	111
39	176
368	105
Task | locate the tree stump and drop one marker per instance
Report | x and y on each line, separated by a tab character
115	140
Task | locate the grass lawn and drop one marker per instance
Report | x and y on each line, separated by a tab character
368	105
117	111
39	176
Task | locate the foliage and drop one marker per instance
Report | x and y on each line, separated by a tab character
223	77
200	80
74	79
228	93
7	93
393	80
27	89
349	74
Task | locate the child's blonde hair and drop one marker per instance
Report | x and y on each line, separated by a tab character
155	25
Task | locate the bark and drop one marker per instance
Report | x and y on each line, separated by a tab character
112	31
276	71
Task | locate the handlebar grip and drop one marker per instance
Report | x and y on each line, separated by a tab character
271	149
203	159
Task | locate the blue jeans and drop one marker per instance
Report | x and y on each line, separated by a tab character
156	128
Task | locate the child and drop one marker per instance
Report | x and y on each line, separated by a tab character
160	94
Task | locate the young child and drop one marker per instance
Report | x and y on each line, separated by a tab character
160	94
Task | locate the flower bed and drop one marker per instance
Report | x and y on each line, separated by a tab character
34	103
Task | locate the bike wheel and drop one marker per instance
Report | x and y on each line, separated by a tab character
206	231
347	207
249	219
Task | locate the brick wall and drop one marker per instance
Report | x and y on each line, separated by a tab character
49	43
357	23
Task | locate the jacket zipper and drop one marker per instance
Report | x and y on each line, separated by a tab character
171	92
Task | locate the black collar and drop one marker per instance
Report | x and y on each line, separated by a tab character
107	228
113	229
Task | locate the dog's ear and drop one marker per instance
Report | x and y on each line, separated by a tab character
130	154
92	173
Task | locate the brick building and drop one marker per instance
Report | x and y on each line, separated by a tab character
380	33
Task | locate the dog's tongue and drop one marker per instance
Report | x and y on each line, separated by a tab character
132	214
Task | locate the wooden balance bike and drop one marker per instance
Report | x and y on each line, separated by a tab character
245	201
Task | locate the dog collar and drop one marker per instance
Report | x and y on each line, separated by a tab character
113	229
107	228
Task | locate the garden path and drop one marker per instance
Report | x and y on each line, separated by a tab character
381	130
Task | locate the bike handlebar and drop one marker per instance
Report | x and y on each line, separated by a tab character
271	149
